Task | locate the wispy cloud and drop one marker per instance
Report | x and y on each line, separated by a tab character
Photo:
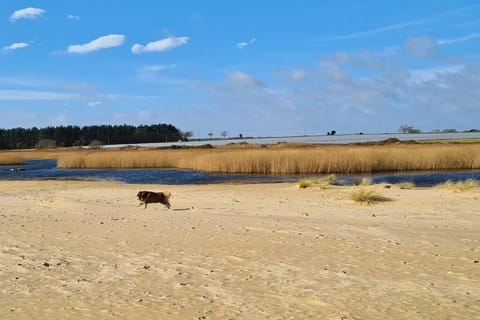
468	37
420	76
27	13
160	45
73	17
105	42
242	45
242	79
375	31
15	46
421	47
34	95
94	103
156	68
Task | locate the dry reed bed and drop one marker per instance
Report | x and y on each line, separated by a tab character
285	160
11	158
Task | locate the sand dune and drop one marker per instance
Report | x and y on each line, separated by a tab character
83	250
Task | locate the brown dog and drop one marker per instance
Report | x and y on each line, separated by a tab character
146	197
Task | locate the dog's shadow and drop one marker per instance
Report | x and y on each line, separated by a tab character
182	209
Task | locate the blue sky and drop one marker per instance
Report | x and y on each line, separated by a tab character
253	67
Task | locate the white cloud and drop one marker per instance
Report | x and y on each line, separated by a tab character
160	45
15	46
104	42
73	17
27	13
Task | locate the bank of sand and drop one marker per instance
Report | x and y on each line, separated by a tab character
83	250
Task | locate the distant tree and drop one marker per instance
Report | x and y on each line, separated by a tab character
95	143
333	132
449	130
187	135
240	136
45	144
224	134
67	136
408	129
210	135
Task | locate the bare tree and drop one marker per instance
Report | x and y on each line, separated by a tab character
408	129
187	135
224	134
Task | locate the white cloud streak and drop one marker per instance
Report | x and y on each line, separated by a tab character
33	95
156	68
375	31
160	45
242	45
27	13
468	37
15	46
94	103
104	42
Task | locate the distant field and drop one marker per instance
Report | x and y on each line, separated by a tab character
319	139
283	158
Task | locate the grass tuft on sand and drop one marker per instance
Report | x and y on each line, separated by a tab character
322	183
367	196
460	186
406	185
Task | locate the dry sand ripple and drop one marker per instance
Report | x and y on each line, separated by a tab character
81	250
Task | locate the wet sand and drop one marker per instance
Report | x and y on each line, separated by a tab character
83	250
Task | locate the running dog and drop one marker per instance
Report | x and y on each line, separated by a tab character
146	197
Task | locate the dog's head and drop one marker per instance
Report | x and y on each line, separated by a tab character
140	195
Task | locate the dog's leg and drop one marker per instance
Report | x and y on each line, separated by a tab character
145	207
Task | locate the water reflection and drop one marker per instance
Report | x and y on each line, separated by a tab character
47	169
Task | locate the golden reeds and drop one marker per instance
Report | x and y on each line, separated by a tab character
10	159
279	159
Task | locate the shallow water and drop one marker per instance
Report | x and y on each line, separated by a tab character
41	169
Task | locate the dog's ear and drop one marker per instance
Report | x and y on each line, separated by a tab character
167	194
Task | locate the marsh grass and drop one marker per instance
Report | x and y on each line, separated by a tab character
460	186
367	196
362	182
406	185
11	159
276	159
322	183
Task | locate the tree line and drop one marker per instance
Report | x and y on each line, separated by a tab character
68	136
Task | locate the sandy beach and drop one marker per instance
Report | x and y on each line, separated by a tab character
83	250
